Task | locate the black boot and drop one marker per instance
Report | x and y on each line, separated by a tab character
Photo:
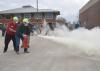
25	50
4	51
17	52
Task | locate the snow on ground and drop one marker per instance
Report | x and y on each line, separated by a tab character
83	40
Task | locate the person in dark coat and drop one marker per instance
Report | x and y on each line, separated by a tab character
18	36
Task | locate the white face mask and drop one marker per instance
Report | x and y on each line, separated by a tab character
16	22
26	24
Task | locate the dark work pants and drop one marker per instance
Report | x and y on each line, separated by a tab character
3	32
25	49
8	38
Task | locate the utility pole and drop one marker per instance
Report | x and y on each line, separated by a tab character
37	10
38	16
37	5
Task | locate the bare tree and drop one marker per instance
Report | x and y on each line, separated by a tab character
61	20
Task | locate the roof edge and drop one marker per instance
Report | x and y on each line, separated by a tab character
88	5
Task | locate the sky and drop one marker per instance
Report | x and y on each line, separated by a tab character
69	9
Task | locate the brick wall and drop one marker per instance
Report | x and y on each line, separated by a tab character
91	17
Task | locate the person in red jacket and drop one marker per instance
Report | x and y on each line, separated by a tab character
10	35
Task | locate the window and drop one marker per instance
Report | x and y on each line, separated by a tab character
18	15
38	16
8	16
27	16
0	16
49	15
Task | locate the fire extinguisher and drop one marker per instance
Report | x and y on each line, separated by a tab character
25	41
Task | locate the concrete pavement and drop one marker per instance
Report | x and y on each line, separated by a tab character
46	55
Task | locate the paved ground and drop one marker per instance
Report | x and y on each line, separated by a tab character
46	55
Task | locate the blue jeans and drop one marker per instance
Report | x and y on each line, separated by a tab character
17	42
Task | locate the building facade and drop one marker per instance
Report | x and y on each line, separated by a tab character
90	14
31	13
